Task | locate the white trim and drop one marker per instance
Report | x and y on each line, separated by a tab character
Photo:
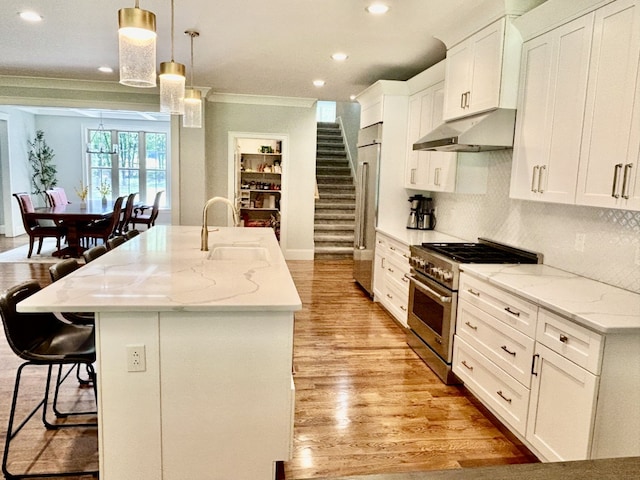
298	254
261	100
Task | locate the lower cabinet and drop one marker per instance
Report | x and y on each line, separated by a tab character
550	380
390	283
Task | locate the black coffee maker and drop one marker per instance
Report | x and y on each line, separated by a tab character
414	213
421	215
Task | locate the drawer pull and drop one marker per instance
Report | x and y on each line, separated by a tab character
472	327
512	312
504	347
564	338
464	363
393	249
391	270
473	292
403	308
389	296
405	279
499	392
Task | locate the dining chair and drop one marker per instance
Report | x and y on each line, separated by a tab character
33	228
94	252
132	233
139	217
62	194
104	229
114	242
127	213
45	340
54	198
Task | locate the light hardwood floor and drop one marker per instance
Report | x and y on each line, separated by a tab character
365	403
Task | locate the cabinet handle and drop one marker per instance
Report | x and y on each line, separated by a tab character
462	95
533	365
626	180
393	249
564	338
472	327
406	256
504	347
403	308
389	296
391	270
542	169
614	187
464	362
467	96
512	312
437	179
534	176
413	176
405	279
501	395
473	292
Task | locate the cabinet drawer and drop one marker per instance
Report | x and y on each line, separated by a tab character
396	301
506	397
511	309
398	275
572	341
398	251
505	346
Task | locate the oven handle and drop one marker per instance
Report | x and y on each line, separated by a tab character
429	292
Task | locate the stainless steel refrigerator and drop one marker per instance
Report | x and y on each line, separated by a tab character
369	145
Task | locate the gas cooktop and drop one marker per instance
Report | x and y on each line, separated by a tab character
479	253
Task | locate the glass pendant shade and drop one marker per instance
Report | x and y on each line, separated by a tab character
172	80
192	109
137	47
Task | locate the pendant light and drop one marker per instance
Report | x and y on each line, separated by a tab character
100	142
192	97
137	47
172	79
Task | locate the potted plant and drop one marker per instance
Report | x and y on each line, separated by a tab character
44	171
82	193
105	189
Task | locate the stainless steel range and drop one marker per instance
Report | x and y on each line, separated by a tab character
433	294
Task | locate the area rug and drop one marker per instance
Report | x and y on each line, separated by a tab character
19	254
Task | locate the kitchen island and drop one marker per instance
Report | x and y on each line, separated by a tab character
194	353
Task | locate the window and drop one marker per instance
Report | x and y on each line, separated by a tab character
140	164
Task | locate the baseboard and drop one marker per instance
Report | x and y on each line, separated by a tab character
290	254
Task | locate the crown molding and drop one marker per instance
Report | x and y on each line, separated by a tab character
300	102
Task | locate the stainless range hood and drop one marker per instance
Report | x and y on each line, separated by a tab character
483	132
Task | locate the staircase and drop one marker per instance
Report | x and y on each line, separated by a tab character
335	209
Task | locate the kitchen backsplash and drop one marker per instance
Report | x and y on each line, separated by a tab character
611	248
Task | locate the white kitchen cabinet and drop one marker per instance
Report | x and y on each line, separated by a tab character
373	101
480	71
608	173
391	285
432	171
551	103
579	397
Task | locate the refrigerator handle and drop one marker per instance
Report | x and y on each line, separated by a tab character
362	201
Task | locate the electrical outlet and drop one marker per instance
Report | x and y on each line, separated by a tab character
136	358
579	243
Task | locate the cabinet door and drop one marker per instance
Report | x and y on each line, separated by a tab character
486	68
550	112
411	179
562	407
457	83
607	127
442	165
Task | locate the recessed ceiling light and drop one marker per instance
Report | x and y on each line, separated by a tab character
106	69
377	8
339	57
318	83
352	97
30	16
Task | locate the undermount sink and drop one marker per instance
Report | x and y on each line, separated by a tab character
244	252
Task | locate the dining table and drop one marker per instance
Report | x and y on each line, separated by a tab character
73	216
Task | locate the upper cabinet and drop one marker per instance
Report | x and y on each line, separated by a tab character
608	173
553	86
377	101
482	71
577	137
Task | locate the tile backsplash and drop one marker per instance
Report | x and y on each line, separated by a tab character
609	252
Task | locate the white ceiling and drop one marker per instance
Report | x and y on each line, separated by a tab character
260	47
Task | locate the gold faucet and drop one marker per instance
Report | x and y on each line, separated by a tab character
204	235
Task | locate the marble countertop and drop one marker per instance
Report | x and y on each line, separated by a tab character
595	305
163	269
416	237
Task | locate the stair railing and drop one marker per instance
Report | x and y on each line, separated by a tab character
346	147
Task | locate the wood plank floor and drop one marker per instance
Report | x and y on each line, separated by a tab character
365	403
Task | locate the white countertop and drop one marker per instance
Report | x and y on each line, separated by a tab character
595	305
416	237
163	269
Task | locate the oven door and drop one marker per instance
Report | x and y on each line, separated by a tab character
432	310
